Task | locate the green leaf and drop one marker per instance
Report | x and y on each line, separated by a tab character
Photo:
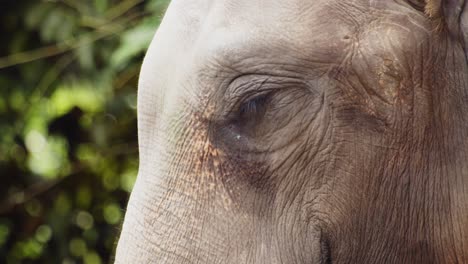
101	6
51	25
85	56
36	14
4	233
67	28
84	95
157	6
58	25
134	42
92	258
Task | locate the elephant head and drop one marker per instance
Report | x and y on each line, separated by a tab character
302	132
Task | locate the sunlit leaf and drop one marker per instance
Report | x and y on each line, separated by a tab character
82	95
134	42
49	158
29	249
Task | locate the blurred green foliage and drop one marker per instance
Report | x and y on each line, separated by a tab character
68	138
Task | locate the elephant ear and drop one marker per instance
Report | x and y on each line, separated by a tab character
448	15
449	11
464	27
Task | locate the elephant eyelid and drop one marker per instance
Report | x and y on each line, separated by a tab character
247	84
250	105
244	87
248	95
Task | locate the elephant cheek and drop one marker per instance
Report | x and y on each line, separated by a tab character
179	209
131	245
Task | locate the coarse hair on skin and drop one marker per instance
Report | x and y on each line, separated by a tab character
433	9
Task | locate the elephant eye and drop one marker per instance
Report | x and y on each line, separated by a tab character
253	108
245	120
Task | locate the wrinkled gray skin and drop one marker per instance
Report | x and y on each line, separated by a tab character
302	131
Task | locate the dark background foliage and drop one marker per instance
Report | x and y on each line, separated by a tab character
68	138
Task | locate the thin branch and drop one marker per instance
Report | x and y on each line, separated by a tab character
52	75
121	9
26	195
56	49
35	190
48	51
79	7
125	77
122	149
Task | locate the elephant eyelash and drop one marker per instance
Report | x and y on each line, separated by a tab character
254	107
248	107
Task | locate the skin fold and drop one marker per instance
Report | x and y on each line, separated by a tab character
302	132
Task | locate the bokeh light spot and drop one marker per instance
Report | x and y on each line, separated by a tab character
112	213
84	220
35	141
77	247
92	258
43	233
4	234
33	207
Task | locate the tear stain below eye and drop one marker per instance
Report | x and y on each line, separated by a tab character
325	250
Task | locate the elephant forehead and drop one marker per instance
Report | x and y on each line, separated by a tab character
246	28
196	40
197	44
